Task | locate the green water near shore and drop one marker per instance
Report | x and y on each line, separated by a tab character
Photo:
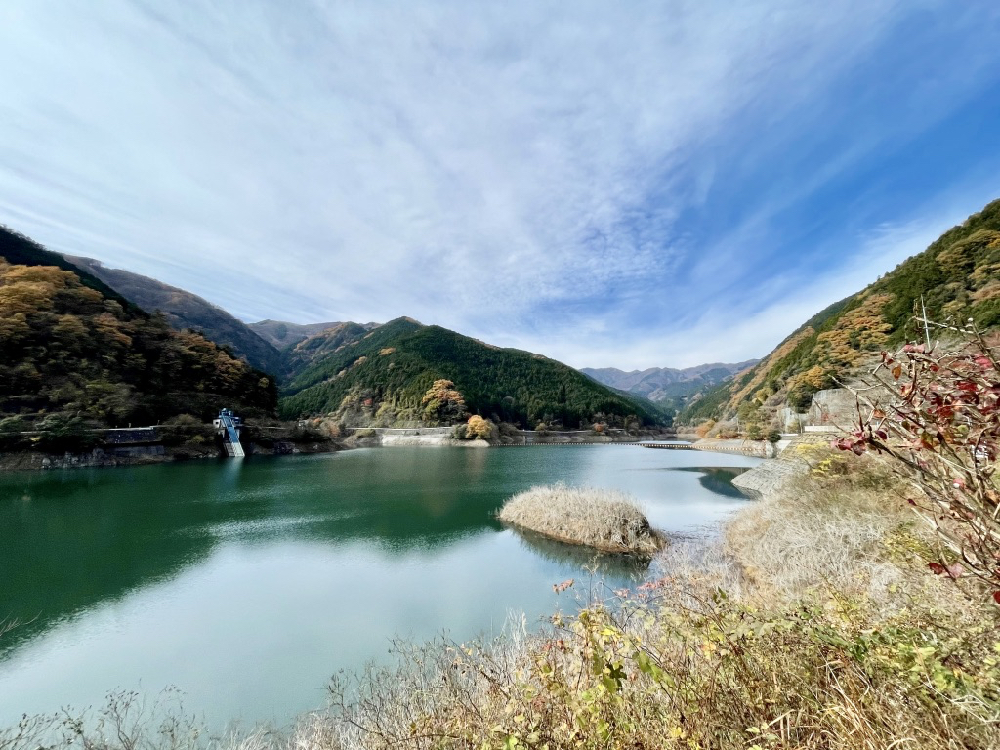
247	584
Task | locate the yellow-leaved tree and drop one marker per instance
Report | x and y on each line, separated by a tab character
479	428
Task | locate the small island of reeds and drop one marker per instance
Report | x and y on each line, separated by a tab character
607	520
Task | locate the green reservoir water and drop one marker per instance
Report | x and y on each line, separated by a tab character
247	584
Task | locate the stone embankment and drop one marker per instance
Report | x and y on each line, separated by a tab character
769	477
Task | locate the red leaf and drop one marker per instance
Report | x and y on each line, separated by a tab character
937	568
996	596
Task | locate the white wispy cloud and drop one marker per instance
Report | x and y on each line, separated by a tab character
520	172
745	331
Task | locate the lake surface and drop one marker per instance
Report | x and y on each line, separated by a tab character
247	584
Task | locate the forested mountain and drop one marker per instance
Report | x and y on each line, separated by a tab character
958	277
184	310
668	386
73	349
281	334
385	374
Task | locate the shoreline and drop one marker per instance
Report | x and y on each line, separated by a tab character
112	457
14	462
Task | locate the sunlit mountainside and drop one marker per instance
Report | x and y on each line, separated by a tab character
958	277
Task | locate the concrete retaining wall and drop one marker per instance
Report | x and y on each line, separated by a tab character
759	448
834	407
392	441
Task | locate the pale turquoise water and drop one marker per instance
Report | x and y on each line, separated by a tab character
248	584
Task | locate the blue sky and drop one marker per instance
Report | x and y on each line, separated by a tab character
653	184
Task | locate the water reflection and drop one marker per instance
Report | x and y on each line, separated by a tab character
719	479
625	567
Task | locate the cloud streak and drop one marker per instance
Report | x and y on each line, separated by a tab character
575	179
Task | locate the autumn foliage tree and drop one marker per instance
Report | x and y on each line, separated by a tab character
480	428
443	404
936	412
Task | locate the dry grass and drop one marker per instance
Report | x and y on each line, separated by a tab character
818	532
606	520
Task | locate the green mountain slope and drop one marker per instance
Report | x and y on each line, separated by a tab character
386	372
959	278
72	350
183	309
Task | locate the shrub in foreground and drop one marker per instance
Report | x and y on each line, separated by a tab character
936	412
607	520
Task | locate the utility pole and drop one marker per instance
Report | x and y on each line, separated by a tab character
927	328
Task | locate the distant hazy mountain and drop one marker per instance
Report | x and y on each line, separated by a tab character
186	310
668	385
280	334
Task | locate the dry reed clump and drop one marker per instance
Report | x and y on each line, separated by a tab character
606	520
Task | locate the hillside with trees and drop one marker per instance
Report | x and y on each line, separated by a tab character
73	352
958	277
384	375
17	249
186	311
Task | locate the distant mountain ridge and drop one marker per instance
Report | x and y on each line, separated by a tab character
184	310
364	373
669	386
327	342
649	380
